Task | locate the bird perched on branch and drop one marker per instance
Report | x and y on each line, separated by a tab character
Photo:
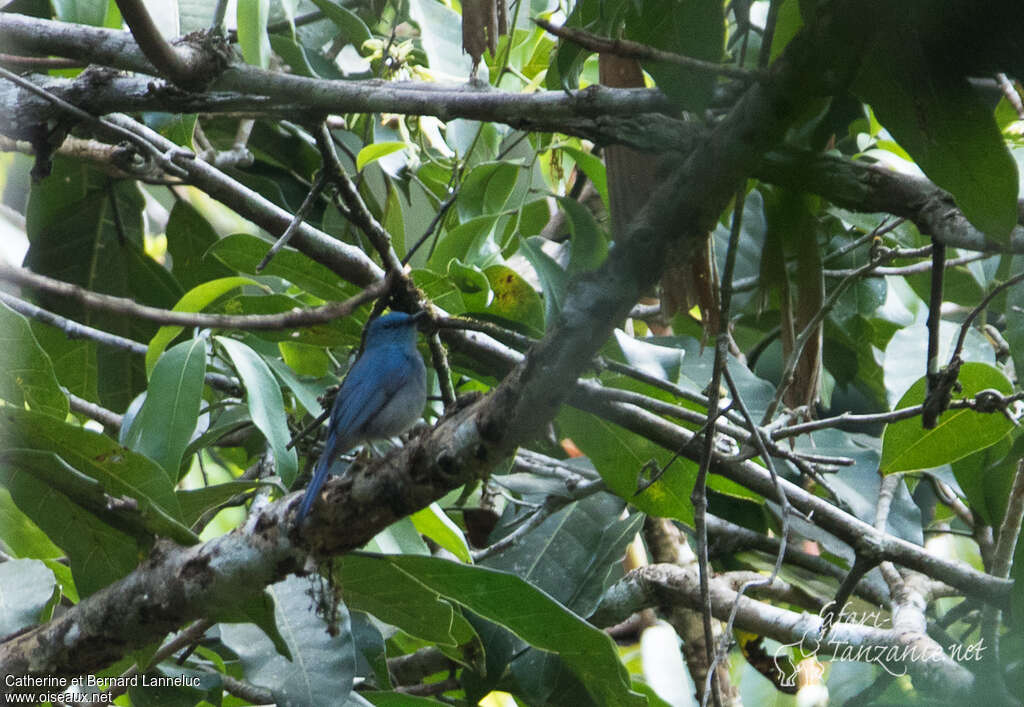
382	395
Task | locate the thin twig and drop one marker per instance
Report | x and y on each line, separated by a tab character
300	216
219	12
699	494
915	269
75	330
283	25
662	384
358	212
810	329
500	333
966	325
251	322
785	510
635	50
441	211
1002	562
552	504
185	638
1010	93
40	63
439	359
108	418
886	492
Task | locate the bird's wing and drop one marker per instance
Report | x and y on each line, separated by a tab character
365	391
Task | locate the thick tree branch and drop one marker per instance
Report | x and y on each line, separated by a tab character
254	89
187	66
607	116
665	585
869	188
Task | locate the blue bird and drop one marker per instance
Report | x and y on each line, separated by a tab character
382	395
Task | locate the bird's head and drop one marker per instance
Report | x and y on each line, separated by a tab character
394	328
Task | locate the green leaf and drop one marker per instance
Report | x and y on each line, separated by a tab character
88	230
401	537
195	300
146	521
695	28
243	252
252	31
259	609
515	300
304	359
471	242
788	24
374	151
576	553
944	124
319	664
325	334
472	283
121	471
433	522
82	12
266	406
189	238
396	598
486	189
351	26
26	373
22	537
619	456
299	62
163	427
553	279
533	616
986	478
26	588
195	502
441	34
440	290
305	393
74	360
393	218
594	168
859	485
906	446
589	244
597	16
98	554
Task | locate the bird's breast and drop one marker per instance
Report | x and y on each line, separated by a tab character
405	407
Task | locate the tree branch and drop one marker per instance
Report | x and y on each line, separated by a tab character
186	66
129	308
666	585
853	531
643	52
607	116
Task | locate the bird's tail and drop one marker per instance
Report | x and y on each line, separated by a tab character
319	476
